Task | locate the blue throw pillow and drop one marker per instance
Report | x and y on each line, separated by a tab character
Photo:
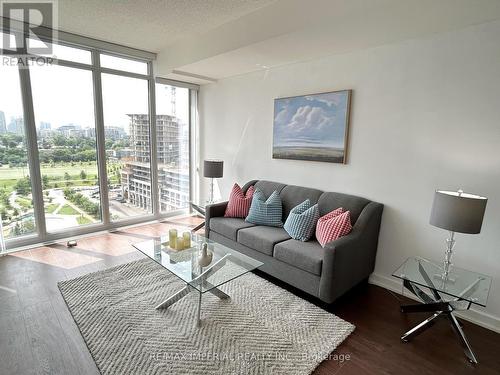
301	222
265	212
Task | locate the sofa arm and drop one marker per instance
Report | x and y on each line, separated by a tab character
351	259
213	210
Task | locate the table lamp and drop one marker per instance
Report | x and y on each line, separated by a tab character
213	169
456	211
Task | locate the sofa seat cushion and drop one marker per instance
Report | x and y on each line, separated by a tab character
262	238
228	226
307	256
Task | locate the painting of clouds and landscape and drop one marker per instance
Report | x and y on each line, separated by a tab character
312	127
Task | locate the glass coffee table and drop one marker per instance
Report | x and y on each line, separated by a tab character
459	291
226	265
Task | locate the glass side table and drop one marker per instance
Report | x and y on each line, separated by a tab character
200	208
460	291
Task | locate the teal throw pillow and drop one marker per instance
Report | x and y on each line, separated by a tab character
301	222
265	211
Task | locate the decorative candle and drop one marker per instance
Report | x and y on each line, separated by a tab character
187	239
179	243
172	237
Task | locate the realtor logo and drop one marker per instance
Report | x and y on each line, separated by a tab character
32	23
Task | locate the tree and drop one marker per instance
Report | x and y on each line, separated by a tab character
23	186
83	175
16	230
68	193
67	176
45	182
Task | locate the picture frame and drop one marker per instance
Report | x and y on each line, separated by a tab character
313	127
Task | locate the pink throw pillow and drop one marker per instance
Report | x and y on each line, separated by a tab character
333	225
239	203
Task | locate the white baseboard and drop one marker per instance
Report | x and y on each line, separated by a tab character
477	317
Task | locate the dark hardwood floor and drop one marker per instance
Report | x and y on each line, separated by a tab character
38	335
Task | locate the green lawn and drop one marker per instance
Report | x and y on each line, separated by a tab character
56	170
68	210
7	184
82	220
9	176
48	170
51	208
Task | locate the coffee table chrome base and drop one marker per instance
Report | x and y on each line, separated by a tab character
184	292
441	309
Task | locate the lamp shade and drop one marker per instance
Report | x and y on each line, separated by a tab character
458	211
213	168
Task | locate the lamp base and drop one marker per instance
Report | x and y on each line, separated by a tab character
445	275
444	278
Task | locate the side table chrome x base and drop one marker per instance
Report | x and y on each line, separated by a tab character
441	309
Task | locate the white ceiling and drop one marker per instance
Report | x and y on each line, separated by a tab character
150	25
290	31
222	38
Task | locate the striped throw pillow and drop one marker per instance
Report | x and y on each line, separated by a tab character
239	202
333	225
265	211
301	222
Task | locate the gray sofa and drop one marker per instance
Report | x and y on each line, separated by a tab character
326	273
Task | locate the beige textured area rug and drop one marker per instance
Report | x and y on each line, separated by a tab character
262	329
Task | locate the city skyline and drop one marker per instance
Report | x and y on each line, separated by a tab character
63	96
45	125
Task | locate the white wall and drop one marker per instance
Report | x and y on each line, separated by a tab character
425	115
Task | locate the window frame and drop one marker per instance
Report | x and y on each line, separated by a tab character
97	47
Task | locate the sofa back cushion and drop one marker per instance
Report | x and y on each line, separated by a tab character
292	195
268	187
331	201
248	184
327	201
265	211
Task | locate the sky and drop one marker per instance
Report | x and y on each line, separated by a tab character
64	96
311	120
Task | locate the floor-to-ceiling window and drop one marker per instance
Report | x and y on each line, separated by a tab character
89	156
16	205
127	132
63	102
172	140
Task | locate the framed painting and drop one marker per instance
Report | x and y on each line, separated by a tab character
312	127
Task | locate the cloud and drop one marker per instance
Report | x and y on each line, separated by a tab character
299	119
283	116
310	119
333	101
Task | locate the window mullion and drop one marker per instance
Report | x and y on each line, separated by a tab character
32	149
155	196
101	139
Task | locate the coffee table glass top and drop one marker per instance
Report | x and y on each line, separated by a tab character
461	284
227	264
